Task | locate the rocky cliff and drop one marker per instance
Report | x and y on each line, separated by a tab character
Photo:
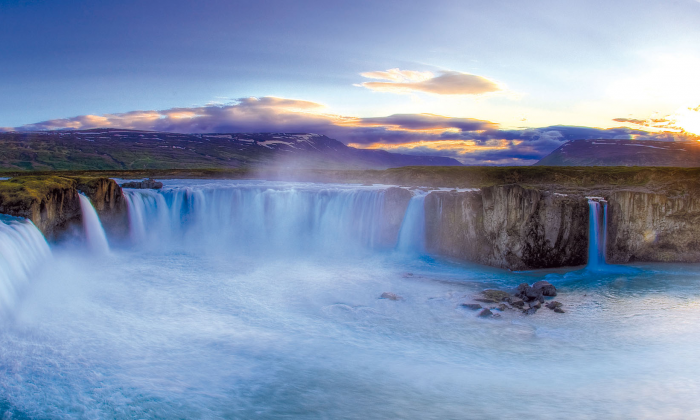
53	205
395	204
508	226
110	204
653	227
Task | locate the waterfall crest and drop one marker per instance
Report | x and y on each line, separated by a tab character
271	218
412	233
597	232
94	232
22	249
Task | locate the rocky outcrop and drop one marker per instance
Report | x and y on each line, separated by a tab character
508	226
150	184
653	227
53	213
109	202
395	205
53	205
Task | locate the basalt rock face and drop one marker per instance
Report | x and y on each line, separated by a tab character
109	202
56	210
653	227
509	227
395	204
54	213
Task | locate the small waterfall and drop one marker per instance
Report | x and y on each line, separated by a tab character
597	232
94	232
412	233
22	249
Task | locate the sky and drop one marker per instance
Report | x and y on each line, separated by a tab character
486	82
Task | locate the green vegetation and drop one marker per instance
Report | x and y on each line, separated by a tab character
22	191
25	190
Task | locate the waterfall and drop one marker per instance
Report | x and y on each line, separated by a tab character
22	249
94	232
248	216
412	233
597	232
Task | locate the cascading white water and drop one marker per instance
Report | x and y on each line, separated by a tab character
597	232
412	233
271	218
173	333
22	249
94	232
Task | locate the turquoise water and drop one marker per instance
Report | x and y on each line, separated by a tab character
204	332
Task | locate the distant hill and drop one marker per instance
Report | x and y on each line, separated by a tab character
624	153
109	149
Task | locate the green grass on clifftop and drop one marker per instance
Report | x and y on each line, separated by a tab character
24	190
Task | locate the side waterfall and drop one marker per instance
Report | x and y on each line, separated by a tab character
94	232
597	232
22	249
263	218
412	233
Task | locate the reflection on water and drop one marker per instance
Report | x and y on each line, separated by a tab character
198	332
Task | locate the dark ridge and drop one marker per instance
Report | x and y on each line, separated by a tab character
119	149
613	152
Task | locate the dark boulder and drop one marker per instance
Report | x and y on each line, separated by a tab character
496	295
147	184
553	305
545	287
486	313
472	306
527	293
517	302
530	311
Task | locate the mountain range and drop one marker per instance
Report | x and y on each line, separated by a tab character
131	149
615	152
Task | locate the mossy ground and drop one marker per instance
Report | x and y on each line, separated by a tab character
22	191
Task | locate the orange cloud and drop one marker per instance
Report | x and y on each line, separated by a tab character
446	83
685	121
458	146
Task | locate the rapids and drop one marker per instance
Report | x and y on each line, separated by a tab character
260	300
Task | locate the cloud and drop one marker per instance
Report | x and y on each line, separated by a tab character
685	121
471	141
396	75
244	115
425	122
446	83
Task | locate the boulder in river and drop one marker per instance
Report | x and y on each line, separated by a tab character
146	184
530	311
486	313
390	296
517	302
496	295
546	288
553	305
472	306
527	293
